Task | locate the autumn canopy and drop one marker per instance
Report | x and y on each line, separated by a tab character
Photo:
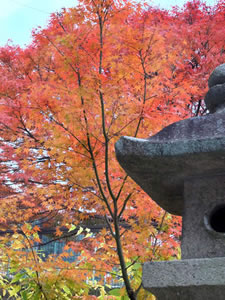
103	69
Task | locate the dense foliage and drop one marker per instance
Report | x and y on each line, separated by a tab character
103	69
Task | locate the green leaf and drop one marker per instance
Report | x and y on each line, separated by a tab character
73	227
80	230
24	295
28	226
136	266
37	295
17	277
89	235
66	290
125	297
14	290
115	292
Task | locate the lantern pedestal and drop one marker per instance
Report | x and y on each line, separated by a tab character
188	279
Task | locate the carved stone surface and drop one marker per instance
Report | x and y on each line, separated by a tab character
217	76
188	279
202	196
161	164
214	99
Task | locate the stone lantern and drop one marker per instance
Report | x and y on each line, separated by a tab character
182	168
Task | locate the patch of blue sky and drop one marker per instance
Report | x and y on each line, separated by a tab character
19	17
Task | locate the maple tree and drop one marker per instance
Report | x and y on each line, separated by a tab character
98	71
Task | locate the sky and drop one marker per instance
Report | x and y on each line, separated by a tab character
19	17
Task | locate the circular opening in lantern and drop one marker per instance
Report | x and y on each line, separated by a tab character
217	218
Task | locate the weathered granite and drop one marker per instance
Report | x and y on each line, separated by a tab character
161	164
188	279
214	99
202	196
217	76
